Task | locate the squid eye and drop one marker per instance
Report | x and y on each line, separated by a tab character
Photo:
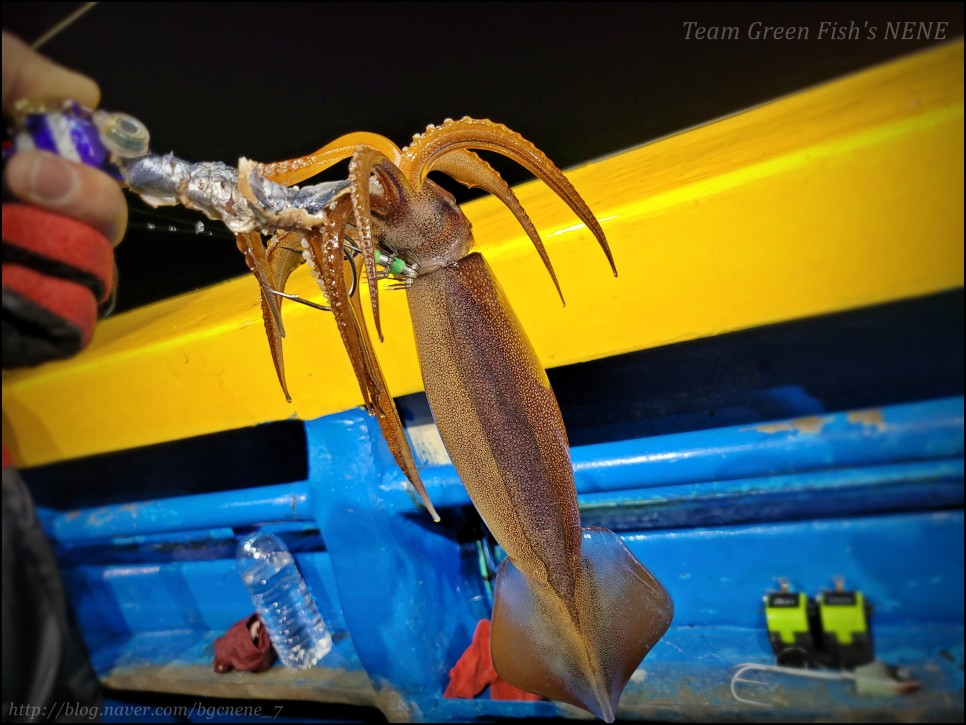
122	134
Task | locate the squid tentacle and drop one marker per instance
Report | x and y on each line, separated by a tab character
256	257
327	257
365	160
389	421
472	171
293	171
470	133
282	261
250	244
360	169
272	266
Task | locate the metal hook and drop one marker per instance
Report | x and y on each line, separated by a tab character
794	672
387	259
298	298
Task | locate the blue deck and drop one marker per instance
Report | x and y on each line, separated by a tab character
718	515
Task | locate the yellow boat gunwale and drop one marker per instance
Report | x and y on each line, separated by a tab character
842	196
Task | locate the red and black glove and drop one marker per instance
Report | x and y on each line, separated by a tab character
56	272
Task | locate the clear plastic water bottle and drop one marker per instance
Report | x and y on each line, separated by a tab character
282	599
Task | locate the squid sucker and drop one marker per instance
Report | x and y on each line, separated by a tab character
574	612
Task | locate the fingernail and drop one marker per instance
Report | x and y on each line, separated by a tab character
52	180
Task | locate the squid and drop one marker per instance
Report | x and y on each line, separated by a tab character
574	611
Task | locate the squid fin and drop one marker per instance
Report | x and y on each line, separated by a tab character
582	652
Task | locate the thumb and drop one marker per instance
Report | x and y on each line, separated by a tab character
27	74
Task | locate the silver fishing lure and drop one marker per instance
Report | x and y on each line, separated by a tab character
241	198
212	188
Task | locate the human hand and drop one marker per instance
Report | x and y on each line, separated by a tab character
45	180
58	256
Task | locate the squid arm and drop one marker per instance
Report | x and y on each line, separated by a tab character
272	266
297	170
364	161
326	250
473	172
481	134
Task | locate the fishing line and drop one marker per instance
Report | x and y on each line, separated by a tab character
62	25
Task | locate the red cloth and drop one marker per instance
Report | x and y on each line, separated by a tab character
474	672
245	647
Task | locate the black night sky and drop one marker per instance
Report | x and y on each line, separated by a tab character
270	81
